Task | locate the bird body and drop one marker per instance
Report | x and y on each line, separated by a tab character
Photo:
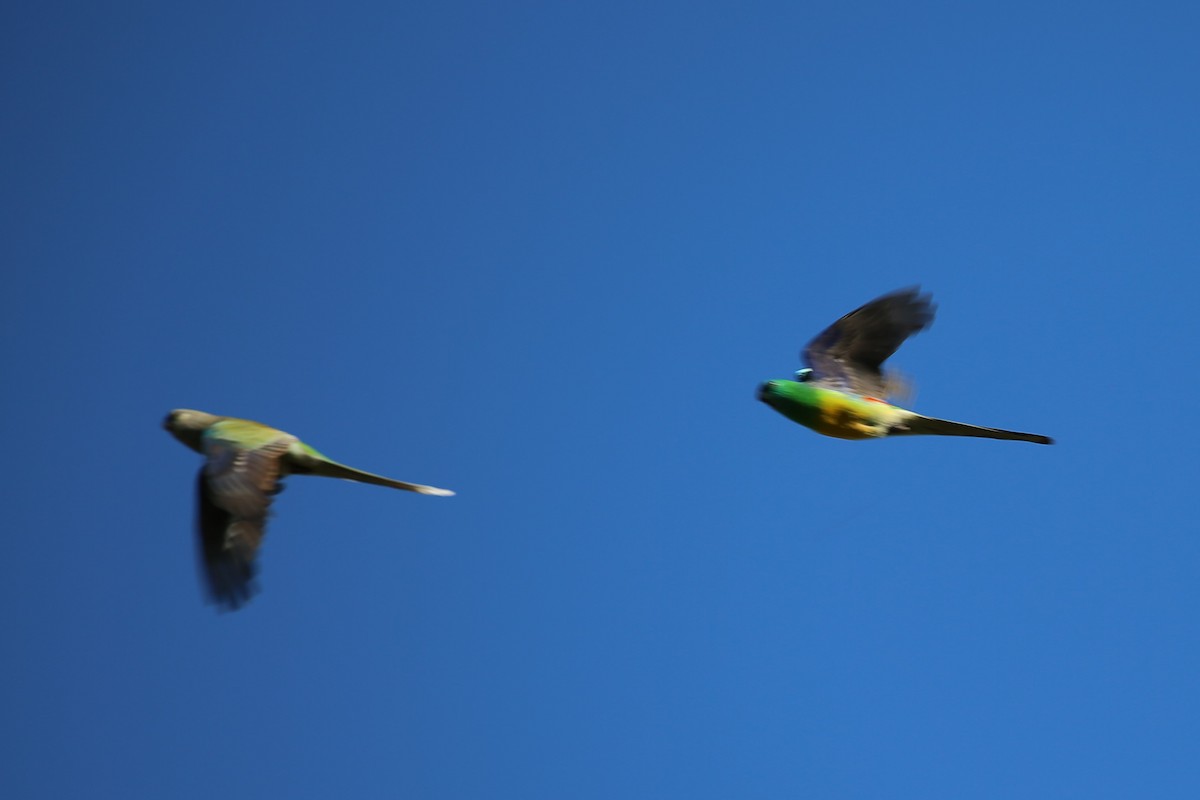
846	416
830	412
245	462
842	392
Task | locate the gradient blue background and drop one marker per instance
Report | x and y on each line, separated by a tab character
542	254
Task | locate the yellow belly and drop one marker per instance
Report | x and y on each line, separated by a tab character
846	417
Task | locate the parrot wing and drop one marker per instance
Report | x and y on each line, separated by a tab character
849	354
234	492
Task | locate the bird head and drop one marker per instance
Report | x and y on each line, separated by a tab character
188	426
795	400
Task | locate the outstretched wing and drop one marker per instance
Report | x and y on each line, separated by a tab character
849	354
234	492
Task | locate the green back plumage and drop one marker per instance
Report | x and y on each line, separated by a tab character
243	433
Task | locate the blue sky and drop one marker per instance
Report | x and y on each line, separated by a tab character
543	254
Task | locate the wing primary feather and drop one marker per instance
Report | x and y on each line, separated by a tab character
227	549
849	354
235	490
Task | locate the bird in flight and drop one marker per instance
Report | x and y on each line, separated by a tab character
245	463
843	390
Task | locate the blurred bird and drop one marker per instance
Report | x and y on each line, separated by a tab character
246	462
843	390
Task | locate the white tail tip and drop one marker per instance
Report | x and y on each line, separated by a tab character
436	492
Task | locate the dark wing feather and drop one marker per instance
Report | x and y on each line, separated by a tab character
234	493
227	560
849	354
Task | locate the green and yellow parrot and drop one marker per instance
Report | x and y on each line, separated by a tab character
843	390
245	464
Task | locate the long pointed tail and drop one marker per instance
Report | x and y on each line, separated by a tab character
332	469
944	427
